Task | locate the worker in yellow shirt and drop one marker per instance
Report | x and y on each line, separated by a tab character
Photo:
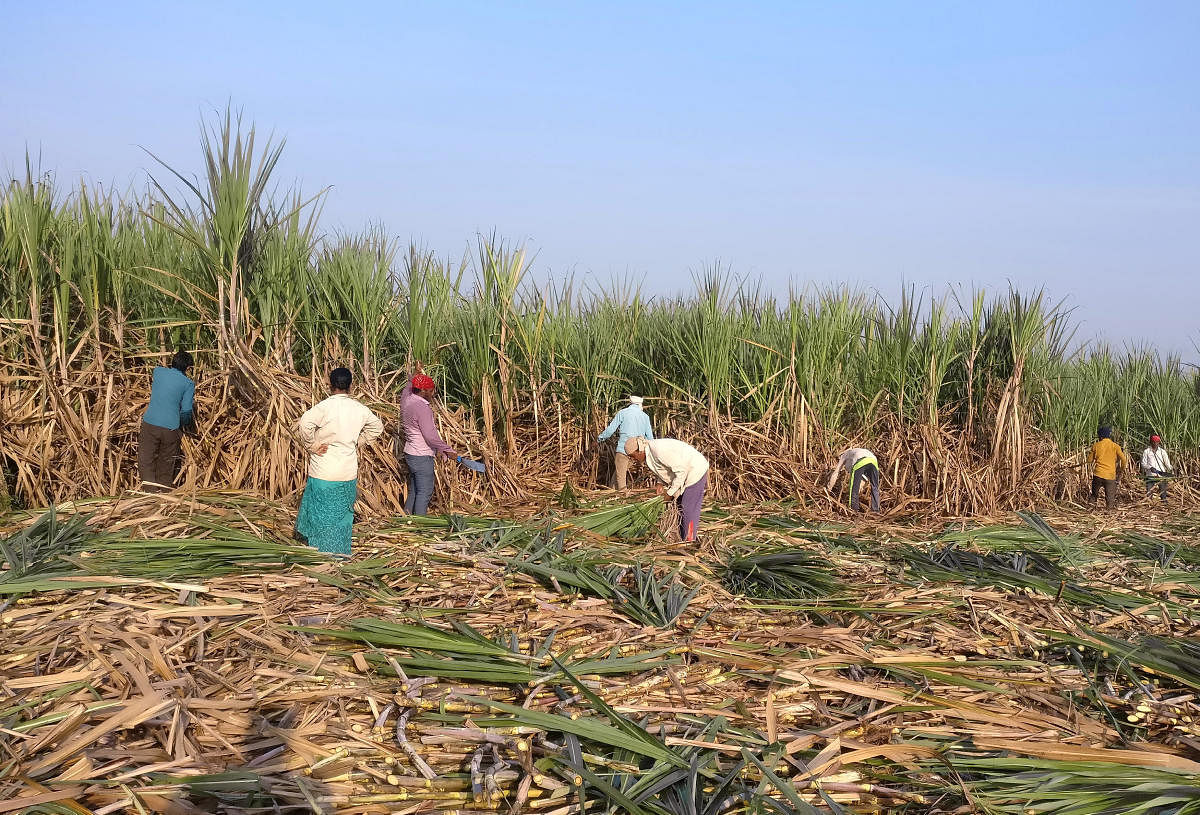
1109	461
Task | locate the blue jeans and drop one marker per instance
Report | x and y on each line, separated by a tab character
420	484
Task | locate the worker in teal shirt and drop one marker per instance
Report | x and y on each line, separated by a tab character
631	422
168	417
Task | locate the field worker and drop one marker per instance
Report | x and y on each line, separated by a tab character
422	442
859	464
167	418
630	421
331	432
1109	460
682	468
1156	467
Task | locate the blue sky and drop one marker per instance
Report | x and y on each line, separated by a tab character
881	143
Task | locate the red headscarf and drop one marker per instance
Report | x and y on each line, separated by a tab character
422	382
1154	439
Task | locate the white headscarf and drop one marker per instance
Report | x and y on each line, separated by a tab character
635	400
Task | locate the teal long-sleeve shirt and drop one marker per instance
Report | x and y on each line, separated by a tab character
171	397
630	421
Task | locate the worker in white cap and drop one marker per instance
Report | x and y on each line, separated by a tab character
630	422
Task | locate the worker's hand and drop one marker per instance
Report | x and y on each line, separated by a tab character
321	450
659	489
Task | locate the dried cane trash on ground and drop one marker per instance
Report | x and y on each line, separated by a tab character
183	655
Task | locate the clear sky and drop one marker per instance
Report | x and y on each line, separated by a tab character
1053	143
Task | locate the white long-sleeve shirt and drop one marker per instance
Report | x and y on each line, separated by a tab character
337	421
676	463
846	461
1155	461
852	456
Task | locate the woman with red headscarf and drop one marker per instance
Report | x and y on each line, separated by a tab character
422	442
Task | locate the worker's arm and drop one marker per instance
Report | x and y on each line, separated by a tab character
308	425
833	477
430	432
649	430
418	369
676	485
843	462
187	405
373	428
612	428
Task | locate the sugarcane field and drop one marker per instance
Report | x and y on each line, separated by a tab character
308	521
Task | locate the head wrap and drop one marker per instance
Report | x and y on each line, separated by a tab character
1155	439
1105	432
422	382
635	400
635	444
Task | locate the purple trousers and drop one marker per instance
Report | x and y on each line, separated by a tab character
689	502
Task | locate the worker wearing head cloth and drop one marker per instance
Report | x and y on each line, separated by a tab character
1156	468
629	422
422	442
682	469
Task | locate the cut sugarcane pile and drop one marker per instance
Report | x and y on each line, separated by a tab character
477	665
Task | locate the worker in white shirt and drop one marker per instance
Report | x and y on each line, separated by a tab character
682	469
1156	467
331	431
860	465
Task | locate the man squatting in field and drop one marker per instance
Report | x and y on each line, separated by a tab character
422	442
167	418
1156	467
859	463
682	468
331	431
1109	460
630	421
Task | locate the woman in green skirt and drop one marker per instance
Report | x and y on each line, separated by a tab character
331	432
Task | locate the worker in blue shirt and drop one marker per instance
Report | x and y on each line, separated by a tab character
168	417
631	422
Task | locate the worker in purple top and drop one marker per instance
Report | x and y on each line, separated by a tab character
422	442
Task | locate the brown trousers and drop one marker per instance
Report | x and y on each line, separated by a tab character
1109	485
621	467
159	453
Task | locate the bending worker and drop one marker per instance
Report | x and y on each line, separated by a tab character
167	418
331	431
682	468
630	421
859	463
1109	460
422	442
1156	466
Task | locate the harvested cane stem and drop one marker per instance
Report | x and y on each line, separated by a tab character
402	740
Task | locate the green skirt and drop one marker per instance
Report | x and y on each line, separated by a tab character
326	515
